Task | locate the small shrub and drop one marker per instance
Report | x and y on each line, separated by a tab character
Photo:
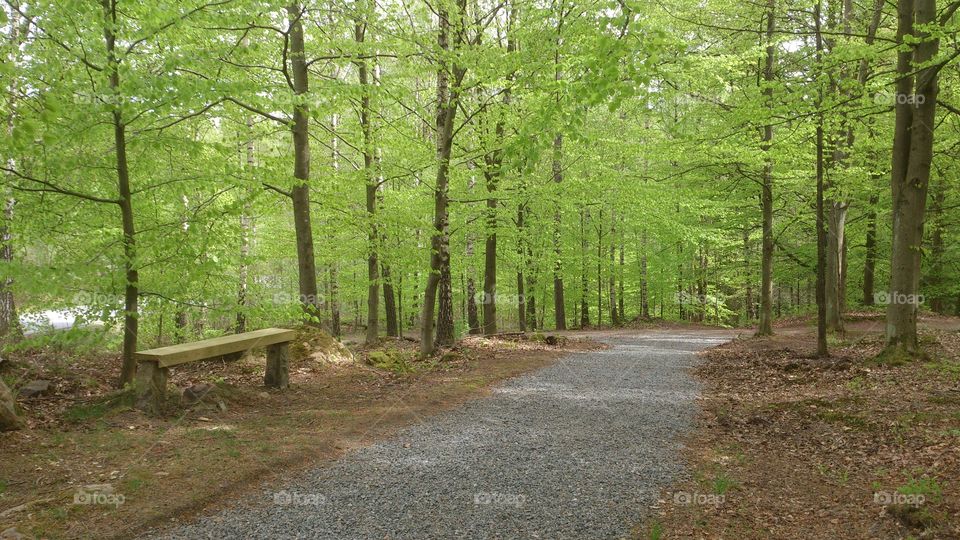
656	531
391	360
723	483
926	486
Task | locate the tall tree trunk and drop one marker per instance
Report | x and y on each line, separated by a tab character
445	330
370	178
415	309
332	278
912	157
836	221
600	268
870	253
620	272
390	302
246	229
10	328
766	195
584	280
748	283
491	173
300	194
334	302
439	280
521	263
531	297
131	288
400	305
644	277
836	210
935	278
559	304
559	309
389	291
836	241
614	315
822	240
473	314
702	284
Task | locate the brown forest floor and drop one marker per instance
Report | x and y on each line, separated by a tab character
789	446
238	438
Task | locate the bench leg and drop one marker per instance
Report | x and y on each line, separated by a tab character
278	373
151	387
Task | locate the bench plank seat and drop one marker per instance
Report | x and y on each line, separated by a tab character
154	364
218	346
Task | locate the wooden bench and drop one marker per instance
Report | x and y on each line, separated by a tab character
154	364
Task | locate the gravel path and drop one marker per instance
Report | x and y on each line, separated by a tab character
575	450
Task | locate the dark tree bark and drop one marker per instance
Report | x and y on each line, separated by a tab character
390	302
491	173
600	268
300	193
445	330
400	297
246	229
559	306
522	263
370	177
870	253
822	240
533	322
644	278
620	287
334	302
612	282
765	327
439	280
131	287
584	279
473	312
912	158
748	283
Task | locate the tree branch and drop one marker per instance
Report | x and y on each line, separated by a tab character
255	110
53	188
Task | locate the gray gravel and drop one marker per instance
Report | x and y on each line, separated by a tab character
575	450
